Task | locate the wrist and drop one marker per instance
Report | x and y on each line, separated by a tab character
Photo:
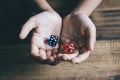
54	14
79	13
87	6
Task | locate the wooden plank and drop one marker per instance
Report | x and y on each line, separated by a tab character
107	23
109	5
103	64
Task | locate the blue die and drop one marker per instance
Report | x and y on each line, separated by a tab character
53	40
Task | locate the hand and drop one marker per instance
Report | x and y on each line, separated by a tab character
44	25
81	30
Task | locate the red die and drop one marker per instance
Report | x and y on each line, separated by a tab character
68	47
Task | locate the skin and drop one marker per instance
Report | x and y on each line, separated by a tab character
77	27
44	24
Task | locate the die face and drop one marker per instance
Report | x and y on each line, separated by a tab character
53	40
68	48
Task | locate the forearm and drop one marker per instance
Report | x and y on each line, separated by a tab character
43	4
87	6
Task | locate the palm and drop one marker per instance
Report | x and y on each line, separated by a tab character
47	25
44	24
76	29
73	30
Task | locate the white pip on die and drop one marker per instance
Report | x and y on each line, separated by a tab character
53	40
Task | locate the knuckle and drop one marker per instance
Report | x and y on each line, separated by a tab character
34	54
43	58
64	57
73	61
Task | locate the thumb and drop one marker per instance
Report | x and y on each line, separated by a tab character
27	27
91	37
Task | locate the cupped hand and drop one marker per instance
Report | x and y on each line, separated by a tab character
79	29
44	24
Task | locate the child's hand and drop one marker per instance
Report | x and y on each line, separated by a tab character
81	30
44	24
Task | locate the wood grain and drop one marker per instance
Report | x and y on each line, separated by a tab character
109	5
107	24
103	64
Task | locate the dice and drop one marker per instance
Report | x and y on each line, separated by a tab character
53	40
68	47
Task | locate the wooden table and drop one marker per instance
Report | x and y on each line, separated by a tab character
103	63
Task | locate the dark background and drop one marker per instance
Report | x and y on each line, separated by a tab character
14	13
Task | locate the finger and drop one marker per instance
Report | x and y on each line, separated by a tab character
53	61
60	52
70	56
82	57
91	37
49	53
50	59
48	47
60	56
52	53
55	53
34	50
27	27
53	58
39	41
42	54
